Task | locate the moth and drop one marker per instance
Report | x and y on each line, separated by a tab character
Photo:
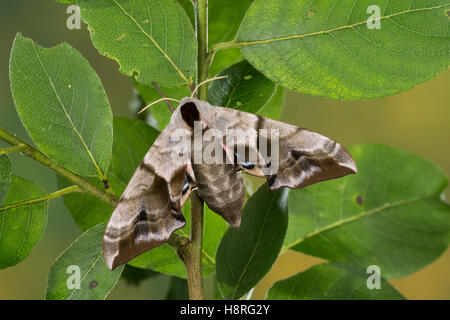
149	210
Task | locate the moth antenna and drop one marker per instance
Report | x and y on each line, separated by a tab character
206	81
155	102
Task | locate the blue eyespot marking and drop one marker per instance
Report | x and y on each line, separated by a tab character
185	186
245	164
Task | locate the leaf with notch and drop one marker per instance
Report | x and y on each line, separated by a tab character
331	281
325	48
96	280
23	218
152	40
63	106
389	214
246	255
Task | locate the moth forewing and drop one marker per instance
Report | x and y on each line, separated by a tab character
149	210
180	141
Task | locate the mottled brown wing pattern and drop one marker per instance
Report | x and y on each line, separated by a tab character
305	157
222	188
149	210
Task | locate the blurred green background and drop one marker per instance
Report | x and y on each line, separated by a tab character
417	121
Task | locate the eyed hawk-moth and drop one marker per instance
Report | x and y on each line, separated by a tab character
149	210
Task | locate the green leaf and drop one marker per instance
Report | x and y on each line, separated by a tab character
389	214
272	109
132	139
245	88
150	39
188	7
134	276
96	280
325	48
331	281
178	289
165	259
23	218
224	19
86	210
63	106
5	176
246	254
223	59
162	259
160	110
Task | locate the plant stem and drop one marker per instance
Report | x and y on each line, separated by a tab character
191	253
169	105
12	149
31	152
202	39
221	46
50	196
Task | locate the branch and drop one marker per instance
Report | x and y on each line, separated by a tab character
194	258
177	242
191	252
169	105
50	196
11	149
221	46
202	39
33	153
226	45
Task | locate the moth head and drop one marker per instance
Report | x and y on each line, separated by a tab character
189	112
